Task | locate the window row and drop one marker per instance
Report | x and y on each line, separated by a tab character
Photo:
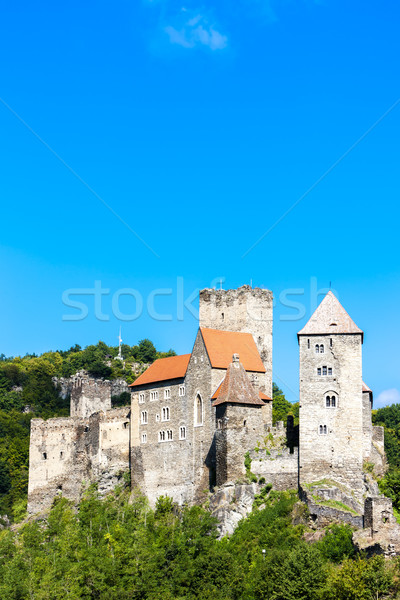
165	415
324	370
167	394
167	436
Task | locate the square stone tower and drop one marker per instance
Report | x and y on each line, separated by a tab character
246	310
89	396
331	398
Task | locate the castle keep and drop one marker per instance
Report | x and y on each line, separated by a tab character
194	417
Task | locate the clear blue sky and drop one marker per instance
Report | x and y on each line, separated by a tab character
199	124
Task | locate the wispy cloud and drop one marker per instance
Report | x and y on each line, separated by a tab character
195	30
387	397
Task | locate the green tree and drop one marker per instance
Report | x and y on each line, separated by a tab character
281	407
147	352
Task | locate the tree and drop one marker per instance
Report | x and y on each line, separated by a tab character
147	352
281	407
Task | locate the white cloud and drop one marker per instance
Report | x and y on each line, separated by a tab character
387	397
196	31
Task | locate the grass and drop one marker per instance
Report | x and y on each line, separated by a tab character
334	504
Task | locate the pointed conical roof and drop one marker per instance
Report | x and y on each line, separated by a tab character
329	318
236	388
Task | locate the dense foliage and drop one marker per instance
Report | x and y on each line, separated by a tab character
27	390
114	549
282	408
389	418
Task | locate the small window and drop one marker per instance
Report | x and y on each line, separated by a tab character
329	370
154	395
86	429
165	414
222	316
324	370
308	343
317	349
323	430
143	417
198	411
333	401
319	371
161	436
182	390
44	455
169	434
157	418
182	433
144	438
141	398
61	455
167	394
328	401
125	425
321	349
330	342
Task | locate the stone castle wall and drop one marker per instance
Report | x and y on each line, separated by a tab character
242	428
247	310
67	453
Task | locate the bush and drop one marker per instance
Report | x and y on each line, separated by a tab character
337	544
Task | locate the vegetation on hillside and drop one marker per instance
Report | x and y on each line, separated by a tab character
114	549
27	390
282	408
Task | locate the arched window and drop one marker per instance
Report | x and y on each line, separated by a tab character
198	410
165	414
317	349
328	401
333	401
143	417
321	349
321	429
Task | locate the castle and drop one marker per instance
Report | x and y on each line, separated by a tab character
193	417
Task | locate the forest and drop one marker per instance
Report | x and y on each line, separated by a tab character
118	547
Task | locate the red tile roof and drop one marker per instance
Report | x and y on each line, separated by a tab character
365	388
236	388
221	345
261	394
163	369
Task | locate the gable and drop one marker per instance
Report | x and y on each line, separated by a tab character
222	345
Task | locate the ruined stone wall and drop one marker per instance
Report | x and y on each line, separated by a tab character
244	310
338	453
377	455
242	428
278	466
67	453
89	396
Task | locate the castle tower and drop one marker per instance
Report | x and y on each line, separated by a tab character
246	310
239	420
331	397
89	396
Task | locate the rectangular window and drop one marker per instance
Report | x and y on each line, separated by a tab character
182	433
143	417
319	371
324	371
182	390
329	370
161	436
165	414
169	434
167	394
154	395
141	398
144	438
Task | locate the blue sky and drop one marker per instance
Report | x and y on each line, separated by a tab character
149	145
